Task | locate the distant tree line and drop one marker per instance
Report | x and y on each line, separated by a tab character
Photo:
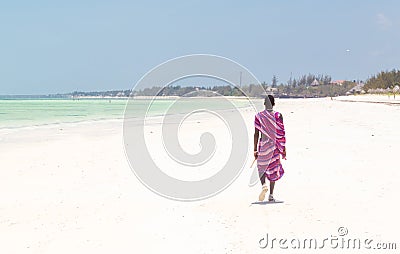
306	80
294	87
322	90
250	90
385	80
111	93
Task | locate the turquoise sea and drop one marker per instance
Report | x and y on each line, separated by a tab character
15	113
32	112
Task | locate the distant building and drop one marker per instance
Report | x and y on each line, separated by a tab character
315	83
271	89
337	82
358	89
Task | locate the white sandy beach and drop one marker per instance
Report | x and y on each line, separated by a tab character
68	188
372	98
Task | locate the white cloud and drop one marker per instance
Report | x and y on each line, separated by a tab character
383	21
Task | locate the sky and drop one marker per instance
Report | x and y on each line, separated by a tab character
63	46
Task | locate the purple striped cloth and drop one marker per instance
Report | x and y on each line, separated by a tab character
271	145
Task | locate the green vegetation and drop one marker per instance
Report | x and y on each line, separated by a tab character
323	90
385	80
227	90
251	90
304	86
300	87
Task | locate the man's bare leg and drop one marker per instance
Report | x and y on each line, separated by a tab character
264	189
271	187
271	191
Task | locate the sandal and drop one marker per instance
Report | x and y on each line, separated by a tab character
264	191
271	198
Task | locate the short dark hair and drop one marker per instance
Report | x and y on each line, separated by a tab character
271	100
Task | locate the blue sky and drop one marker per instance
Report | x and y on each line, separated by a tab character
63	46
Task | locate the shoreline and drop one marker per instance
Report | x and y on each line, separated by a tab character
377	99
44	125
369	98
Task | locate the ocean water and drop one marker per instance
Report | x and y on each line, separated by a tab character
31	112
15	113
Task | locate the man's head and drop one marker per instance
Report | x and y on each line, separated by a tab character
269	102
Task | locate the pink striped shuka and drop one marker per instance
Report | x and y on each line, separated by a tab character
271	144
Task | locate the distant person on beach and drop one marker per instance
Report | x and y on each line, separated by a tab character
269	147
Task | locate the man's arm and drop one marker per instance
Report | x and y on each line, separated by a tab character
256	136
284	148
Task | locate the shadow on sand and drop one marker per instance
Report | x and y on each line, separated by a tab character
267	202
